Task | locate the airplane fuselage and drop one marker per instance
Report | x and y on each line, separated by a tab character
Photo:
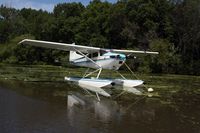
109	60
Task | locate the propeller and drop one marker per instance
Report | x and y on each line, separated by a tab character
130	56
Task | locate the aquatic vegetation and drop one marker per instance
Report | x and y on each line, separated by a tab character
166	87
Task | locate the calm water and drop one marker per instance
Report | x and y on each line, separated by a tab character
57	107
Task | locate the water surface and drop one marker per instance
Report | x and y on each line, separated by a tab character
58	107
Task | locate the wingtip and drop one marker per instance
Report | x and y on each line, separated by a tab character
154	52
148	52
21	42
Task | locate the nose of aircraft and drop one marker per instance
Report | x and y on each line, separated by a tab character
122	57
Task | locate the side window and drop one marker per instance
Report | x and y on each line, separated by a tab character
95	54
90	55
78	53
81	54
112	56
102	52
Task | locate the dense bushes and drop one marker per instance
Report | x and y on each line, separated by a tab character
170	27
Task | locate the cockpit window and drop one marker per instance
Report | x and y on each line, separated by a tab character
112	56
102	52
115	56
93	55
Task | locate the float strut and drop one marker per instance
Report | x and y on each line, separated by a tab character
98	96
99	72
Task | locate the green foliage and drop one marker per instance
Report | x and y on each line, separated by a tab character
169	27
10	51
187	21
168	60
66	10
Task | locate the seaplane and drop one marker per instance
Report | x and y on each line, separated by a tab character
97	59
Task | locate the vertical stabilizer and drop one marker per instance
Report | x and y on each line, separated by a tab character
73	55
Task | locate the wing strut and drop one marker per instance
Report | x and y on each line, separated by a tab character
99	69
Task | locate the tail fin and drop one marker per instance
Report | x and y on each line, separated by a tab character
73	55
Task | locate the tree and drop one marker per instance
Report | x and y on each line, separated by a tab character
66	10
187	33
93	25
168	60
168	26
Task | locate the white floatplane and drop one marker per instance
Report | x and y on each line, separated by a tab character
95	58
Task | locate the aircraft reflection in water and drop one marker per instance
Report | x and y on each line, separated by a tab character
106	110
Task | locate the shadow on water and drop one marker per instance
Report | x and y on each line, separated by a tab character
60	107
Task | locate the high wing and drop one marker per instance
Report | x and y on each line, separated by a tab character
73	47
60	46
